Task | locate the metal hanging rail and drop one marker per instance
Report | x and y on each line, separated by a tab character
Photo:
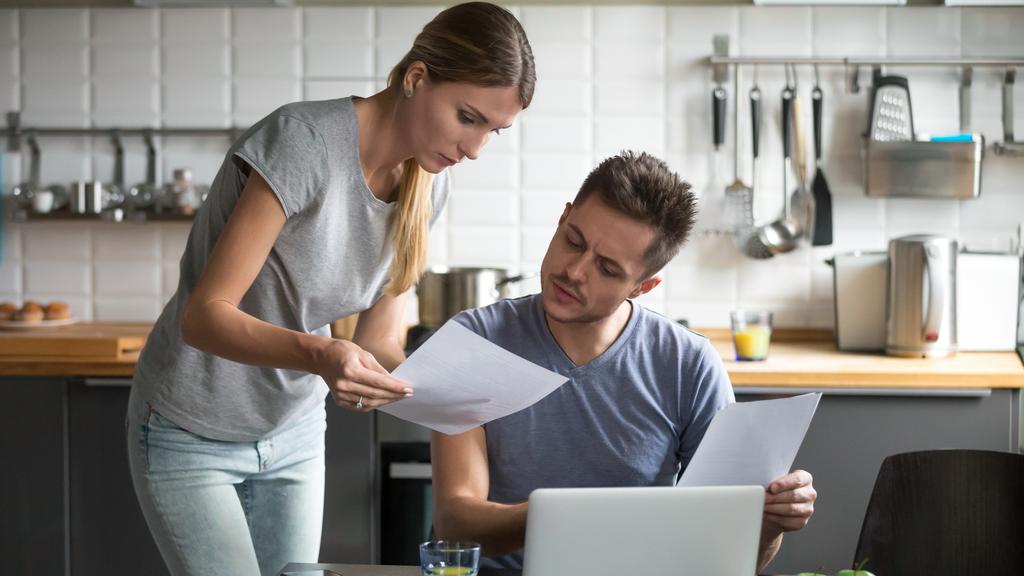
826	61
15	131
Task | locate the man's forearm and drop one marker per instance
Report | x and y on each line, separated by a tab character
499	528
767	550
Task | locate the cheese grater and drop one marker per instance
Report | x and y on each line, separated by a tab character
891	117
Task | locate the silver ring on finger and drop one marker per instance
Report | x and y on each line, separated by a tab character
359	403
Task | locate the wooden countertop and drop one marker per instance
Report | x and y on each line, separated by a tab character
797	358
84	349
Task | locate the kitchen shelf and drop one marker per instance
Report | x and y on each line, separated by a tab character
116	215
14	131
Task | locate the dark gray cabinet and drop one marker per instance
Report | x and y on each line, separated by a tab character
853	431
33	498
109	533
66	495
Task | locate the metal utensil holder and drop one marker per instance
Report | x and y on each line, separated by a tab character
923	169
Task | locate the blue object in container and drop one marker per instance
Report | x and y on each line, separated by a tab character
953	138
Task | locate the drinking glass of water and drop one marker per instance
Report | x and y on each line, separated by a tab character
449	558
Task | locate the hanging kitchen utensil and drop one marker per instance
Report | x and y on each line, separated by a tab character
749	241
801	203
822	233
144	194
782	234
891	117
1009	146
738	213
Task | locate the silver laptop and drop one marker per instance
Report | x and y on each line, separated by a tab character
649	531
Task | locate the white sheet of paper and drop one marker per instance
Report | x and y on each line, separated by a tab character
751	443
461	380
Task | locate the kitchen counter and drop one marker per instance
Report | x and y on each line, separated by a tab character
84	349
797	358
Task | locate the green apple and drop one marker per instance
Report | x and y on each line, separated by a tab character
811	574
852	572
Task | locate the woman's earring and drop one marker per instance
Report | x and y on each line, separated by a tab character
408	92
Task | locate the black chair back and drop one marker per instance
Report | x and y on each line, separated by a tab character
944	512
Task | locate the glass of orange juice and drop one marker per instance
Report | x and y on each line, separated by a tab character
449	558
751	334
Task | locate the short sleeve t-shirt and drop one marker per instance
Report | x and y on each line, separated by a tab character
332	259
631	417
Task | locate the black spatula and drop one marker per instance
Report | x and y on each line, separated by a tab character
822	233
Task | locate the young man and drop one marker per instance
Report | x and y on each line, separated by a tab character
642	389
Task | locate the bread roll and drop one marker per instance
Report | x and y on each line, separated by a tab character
31	312
7	311
57	310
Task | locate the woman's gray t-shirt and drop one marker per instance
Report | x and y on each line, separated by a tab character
331	259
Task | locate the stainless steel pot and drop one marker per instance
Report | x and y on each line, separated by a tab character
444	292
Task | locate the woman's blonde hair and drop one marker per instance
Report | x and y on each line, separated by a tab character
476	43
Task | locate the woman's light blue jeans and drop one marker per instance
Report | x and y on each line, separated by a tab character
228	508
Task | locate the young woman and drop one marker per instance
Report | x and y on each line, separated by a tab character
320	210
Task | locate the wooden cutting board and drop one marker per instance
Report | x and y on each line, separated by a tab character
85	340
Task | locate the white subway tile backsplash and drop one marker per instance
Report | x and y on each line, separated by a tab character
64	62
927	31
134	61
479	246
50	26
545	134
629	23
437	246
119	26
562	97
337	24
128	309
173	238
11	237
629	98
184	26
197	102
921	216
125	102
10	278
782	31
993	32
629	60
267	60
642	134
534	244
56	276
562	60
338	60
556	23
390	52
127	277
257	25
769	280
203	156
696	26
848	31
169	278
9	63
404	23
483	207
8	26
54	241
196	61
329	89
115	243
609	77
554	171
701	283
544	207
487	171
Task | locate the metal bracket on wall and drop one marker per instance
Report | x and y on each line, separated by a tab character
1009	146
966	77
15	129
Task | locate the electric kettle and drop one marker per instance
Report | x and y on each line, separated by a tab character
921	304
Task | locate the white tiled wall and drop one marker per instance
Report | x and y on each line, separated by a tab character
610	77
